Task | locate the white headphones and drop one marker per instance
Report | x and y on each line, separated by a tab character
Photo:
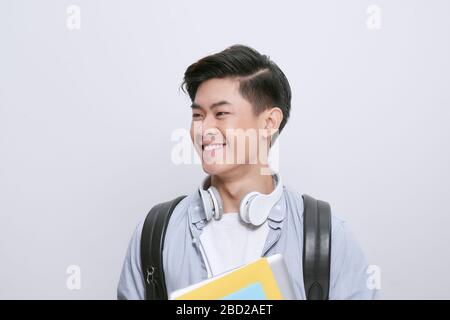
254	207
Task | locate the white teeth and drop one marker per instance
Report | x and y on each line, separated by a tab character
210	147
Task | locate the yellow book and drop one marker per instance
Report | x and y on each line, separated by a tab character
263	279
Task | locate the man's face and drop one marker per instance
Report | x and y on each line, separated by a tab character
225	129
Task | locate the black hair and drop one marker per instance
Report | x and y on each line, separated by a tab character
261	81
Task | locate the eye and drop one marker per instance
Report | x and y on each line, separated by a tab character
221	113
196	115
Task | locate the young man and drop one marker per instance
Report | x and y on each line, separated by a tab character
235	92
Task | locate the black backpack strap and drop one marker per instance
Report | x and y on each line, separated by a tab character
152	243
316	248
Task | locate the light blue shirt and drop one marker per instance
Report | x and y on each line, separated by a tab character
184	265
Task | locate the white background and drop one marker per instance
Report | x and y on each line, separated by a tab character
86	118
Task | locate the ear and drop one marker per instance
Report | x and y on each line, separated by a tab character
273	119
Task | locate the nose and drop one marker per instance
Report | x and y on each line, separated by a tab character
206	131
211	135
209	123
208	128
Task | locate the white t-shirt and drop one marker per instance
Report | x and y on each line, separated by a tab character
229	243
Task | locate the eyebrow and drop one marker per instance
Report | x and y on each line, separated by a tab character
214	105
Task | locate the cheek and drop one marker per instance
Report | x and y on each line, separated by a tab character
195	131
248	120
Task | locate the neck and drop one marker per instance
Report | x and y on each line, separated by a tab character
235	185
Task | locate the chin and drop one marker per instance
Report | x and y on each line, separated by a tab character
216	169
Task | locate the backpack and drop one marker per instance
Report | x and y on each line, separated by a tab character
316	248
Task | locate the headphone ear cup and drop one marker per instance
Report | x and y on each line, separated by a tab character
217	201
244	207
207	202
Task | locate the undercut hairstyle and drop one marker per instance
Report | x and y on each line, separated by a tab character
261	81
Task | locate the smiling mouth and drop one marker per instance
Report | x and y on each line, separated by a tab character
213	146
